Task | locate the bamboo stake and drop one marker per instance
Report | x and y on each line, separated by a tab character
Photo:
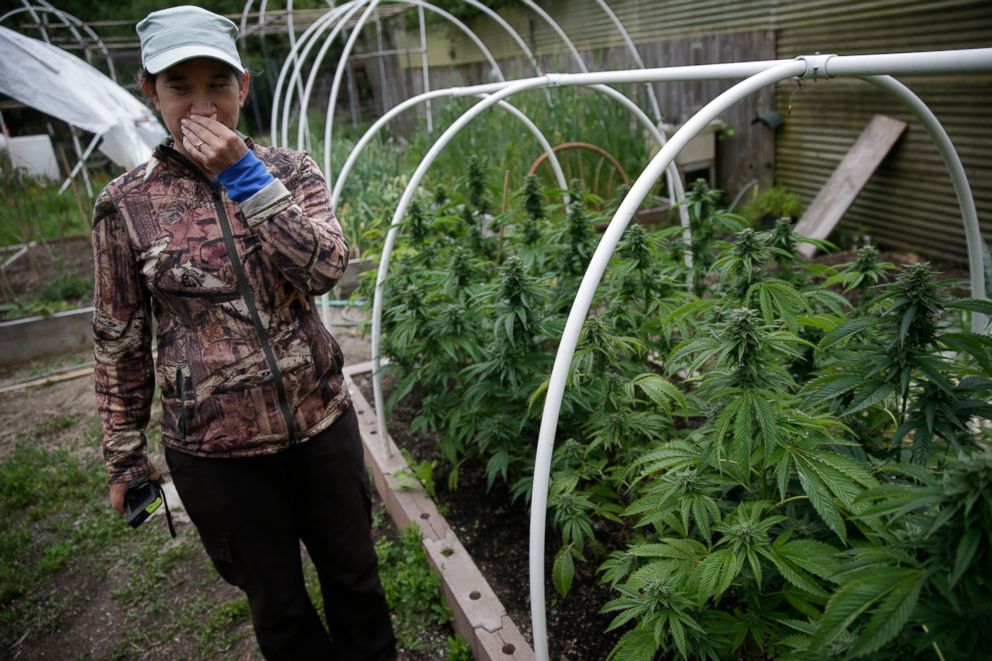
75	195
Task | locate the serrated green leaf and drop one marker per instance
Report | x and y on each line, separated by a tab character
982	306
965	554
832	385
661	391
859	595
820	498
538	394
873	393
846	330
635	645
891	614
563	570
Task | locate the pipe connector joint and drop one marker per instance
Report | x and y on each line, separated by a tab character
816	66
554	79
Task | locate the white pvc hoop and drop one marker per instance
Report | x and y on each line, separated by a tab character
812	66
474	90
310	37
652	97
507	89
962	189
698	72
342	177
674	182
576	318
307	41
332	99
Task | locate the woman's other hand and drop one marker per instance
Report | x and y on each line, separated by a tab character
119	489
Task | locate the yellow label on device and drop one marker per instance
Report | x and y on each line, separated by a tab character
152	506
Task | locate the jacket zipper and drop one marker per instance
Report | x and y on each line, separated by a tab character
246	294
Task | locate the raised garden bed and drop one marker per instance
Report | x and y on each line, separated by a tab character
479	617
493	531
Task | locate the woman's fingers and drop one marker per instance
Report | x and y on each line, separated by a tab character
212	144
117	491
194	149
197	135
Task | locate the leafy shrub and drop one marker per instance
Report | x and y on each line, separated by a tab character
66	287
771	204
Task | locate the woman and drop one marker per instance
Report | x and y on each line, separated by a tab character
226	242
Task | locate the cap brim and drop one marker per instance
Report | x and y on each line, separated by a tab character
173	56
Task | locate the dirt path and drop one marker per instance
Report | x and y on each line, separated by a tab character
87	608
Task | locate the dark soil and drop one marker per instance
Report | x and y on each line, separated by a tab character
495	531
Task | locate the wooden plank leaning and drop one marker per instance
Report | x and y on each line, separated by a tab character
847	181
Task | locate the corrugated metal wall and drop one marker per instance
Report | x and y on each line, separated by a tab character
909	202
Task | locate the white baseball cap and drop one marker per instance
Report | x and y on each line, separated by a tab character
181	33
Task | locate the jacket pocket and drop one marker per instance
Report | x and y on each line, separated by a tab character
186	391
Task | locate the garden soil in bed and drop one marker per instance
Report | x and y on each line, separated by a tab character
495	531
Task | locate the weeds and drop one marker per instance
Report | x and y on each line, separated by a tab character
412	588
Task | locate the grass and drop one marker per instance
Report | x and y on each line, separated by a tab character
412	588
65	553
33	210
63	542
45	366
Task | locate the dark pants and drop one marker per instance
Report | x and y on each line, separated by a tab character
251	515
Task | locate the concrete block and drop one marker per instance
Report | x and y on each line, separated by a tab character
469	596
502	645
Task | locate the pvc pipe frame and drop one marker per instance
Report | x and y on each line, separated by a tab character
70	22
473	90
962	189
309	38
320	24
507	89
872	66
576	56
812	66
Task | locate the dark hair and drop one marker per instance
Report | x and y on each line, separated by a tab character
144	76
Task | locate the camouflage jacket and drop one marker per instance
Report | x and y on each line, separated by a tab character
244	364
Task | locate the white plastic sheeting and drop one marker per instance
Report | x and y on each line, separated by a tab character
59	84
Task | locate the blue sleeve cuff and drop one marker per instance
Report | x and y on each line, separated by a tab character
245	178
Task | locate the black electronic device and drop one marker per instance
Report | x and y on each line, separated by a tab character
142	498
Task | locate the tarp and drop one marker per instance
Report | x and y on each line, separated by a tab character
60	84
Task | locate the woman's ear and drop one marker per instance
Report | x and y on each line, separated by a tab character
243	85
148	87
